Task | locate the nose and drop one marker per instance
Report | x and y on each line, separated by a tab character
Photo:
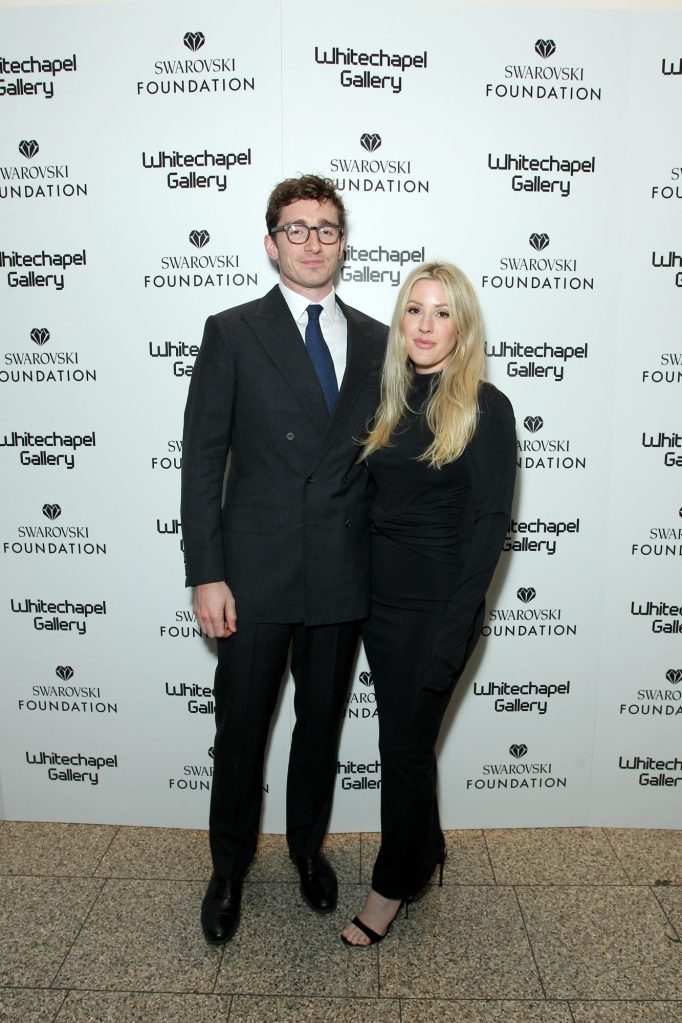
313	244
426	322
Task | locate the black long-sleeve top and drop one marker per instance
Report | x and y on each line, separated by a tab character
438	533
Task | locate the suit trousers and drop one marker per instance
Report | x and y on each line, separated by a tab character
251	664
398	643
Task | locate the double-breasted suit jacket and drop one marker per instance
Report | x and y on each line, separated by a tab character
290	535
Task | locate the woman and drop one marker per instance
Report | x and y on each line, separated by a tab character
442	453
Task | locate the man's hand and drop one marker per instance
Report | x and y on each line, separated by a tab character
215	611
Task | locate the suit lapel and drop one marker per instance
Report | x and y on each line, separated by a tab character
276	330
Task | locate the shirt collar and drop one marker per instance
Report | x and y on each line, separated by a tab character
298	304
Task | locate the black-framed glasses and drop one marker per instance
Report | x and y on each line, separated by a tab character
298	234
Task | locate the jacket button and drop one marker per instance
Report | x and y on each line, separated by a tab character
290	436
345	481
311	479
347	523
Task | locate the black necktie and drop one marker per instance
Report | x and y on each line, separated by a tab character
320	356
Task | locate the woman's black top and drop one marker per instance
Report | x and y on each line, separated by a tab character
438	533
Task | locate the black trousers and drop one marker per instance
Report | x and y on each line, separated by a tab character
251	664
398	644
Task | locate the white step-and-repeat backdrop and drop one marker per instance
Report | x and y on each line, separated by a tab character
540	150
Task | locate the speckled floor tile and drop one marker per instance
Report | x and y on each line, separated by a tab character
283	948
671	901
553	856
627	1012
145	936
56	850
96	1007
649	857
272	862
602	942
314	1010
38	922
467	860
459	942
158	853
440	1010
22	1006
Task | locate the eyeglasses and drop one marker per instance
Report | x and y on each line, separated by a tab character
298	234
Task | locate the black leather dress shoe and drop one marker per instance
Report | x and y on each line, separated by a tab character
220	909
318	882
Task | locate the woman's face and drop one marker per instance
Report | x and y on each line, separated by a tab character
429	332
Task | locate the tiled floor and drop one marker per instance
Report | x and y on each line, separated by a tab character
576	925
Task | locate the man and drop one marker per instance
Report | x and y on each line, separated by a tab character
285	385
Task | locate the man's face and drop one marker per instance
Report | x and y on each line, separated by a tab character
308	268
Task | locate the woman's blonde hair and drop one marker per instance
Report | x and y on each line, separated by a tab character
452	407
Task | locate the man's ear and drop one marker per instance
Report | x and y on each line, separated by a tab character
271	247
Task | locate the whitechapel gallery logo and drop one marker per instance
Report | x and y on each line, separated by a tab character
545	79
42	364
208	270
33	76
544	361
36	180
379	69
539	273
196	170
201	74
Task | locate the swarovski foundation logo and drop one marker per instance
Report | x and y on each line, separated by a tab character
184	626
38	181
553	453
659	701
539	166
669	191
545	47
199	698
357	776
657	772
361	703
28	148
539	241
662	542
667	444
173	458
351	60
544	81
664	619
385	174
60	766
222	270
670	260
538	536
521	698
54	367
193	778
547	273
49	68
62	539
46	697
517	774
524	622
515	352
668	369
370	141
196	76
194	40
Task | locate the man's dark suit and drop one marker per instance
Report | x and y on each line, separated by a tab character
291	541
